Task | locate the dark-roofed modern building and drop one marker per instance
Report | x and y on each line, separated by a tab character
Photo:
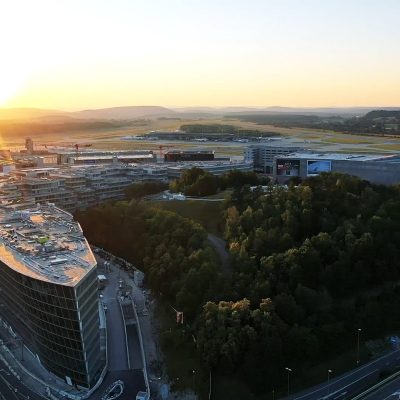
48	291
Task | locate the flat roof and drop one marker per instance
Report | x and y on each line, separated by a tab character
338	156
208	164
190	151
45	243
111	156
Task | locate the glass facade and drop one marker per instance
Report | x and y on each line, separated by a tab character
57	322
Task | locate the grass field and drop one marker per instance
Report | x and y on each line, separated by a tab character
111	138
347	140
388	146
206	213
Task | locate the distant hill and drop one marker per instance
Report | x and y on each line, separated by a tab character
383	114
275	110
118	113
28	113
130	112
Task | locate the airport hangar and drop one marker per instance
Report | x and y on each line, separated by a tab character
375	168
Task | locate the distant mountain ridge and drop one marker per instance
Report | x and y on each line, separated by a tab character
137	112
128	112
118	113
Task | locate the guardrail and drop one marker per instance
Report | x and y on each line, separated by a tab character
376	386
126	335
146	378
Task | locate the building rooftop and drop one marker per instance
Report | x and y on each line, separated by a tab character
208	164
111	156
340	156
45	243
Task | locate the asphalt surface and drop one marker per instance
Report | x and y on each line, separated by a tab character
220	247
134	347
117	357
390	391
118	367
352	383
133	383
13	389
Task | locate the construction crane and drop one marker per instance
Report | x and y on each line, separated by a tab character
76	146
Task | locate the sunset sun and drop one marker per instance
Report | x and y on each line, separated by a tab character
10	84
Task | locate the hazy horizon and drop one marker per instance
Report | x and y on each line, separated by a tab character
75	55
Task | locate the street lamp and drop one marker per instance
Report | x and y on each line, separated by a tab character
358	346
194	379
288	380
329	377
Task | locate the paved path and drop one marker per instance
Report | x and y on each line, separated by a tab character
220	247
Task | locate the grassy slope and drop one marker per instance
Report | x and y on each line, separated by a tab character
206	213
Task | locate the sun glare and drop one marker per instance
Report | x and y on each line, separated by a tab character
9	86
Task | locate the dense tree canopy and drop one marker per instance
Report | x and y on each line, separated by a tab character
142	189
311	264
198	182
173	251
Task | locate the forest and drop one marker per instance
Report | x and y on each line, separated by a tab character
173	251
223	130
310	264
198	182
377	122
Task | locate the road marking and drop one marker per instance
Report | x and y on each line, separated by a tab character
349	374
393	394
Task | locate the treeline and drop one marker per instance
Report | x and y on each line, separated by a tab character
378	122
312	264
142	189
173	251
223	129
198	182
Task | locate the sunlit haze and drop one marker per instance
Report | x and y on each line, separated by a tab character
92	53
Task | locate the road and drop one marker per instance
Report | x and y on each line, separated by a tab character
13	389
390	391
117	357
220	247
352	382
118	366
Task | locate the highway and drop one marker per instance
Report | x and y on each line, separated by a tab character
13	389
390	391
351	383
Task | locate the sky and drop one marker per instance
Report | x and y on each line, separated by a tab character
74	54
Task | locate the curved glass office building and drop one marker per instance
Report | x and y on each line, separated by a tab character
48	291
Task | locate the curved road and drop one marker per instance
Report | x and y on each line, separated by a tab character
220	247
13	389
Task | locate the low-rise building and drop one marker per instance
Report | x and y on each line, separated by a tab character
376	168
262	155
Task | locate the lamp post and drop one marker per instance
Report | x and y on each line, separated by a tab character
288	379
358	346
329	378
